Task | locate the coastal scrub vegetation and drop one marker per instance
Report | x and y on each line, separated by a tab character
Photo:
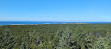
56	36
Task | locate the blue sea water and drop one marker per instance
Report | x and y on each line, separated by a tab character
38	22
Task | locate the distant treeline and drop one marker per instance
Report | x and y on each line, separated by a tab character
56	36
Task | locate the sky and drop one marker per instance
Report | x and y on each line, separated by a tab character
56	10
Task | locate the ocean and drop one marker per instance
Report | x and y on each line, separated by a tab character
42	22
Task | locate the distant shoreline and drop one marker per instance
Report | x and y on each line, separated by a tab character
47	23
43	24
36	23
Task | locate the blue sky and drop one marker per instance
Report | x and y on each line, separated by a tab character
56	10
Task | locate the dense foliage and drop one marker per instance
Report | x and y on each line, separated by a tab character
56	36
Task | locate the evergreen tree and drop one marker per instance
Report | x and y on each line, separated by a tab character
64	39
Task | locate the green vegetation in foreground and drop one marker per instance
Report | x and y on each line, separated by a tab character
56	36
